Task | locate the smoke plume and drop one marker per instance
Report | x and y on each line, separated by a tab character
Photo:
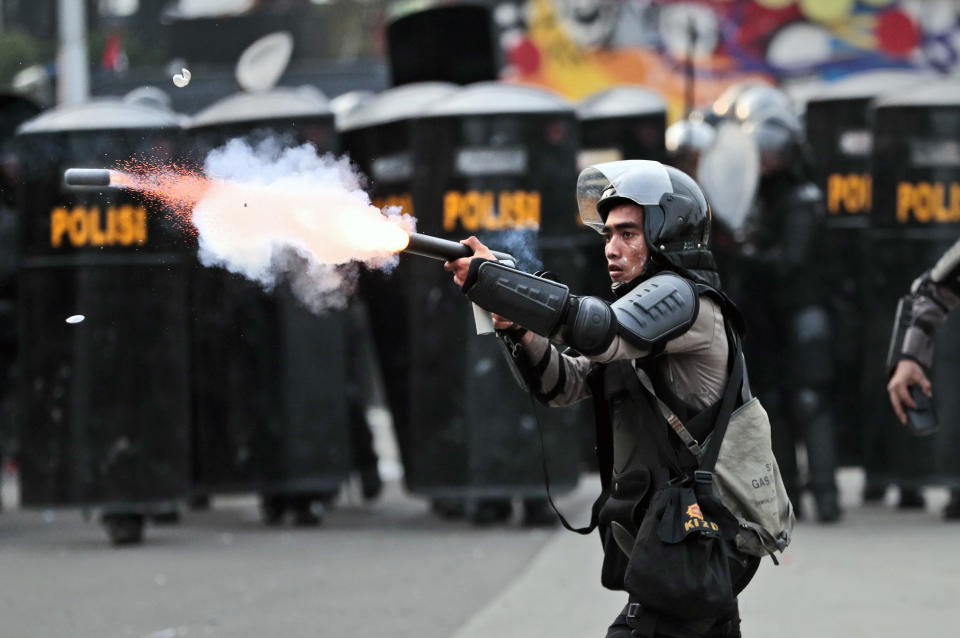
277	215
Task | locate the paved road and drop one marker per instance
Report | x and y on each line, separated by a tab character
395	570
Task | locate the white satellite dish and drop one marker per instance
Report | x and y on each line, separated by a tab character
262	63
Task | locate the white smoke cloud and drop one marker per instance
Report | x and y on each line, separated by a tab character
278	214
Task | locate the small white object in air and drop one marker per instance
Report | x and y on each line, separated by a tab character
75	318
182	79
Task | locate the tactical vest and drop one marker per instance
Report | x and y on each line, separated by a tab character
632	439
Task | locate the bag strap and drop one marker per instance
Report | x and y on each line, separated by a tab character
604	454
735	385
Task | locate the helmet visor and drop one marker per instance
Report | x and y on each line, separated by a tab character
643	182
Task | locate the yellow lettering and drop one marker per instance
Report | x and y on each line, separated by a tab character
904	201
532	215
834	193
486	210
940	211
59	221
954	202
508	207
78	226
125	225
690	524
451	210
140	225
97	237
923	202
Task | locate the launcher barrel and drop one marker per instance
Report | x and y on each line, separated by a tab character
444	249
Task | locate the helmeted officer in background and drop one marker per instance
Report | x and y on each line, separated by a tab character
656	224
932	296
686	140
776	283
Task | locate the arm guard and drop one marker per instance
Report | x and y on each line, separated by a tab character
924	310
654	312
543	306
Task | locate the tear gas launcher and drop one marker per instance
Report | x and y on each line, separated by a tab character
423	245
418	244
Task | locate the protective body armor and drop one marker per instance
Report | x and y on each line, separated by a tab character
630	451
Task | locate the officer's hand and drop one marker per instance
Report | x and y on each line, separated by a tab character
459	267
906	374
501	323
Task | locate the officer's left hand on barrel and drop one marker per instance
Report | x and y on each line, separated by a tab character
460	267
907	373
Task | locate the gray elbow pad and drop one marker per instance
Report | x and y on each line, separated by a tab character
656	311
590	326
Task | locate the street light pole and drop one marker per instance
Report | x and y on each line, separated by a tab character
73	73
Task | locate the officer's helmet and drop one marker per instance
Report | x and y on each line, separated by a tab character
676	217
724	106
769	118
686	140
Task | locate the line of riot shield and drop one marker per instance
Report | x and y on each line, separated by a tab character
104	328
841	141
499	162
916	217
376	135
274	387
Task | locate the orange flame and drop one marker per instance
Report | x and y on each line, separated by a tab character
179	189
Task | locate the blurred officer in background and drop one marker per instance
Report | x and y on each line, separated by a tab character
686	140
778	287
932	296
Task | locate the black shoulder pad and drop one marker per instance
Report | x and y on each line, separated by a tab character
659	309
535	303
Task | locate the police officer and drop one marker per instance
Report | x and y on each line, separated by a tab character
779	289
932	296
656	225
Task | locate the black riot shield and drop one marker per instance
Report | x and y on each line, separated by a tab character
14	110
916	216
623	122
103	317
499	162
272	397
376	136
841	141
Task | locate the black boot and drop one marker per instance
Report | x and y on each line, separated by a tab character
910	499
952	511
538	513
828	505
370	482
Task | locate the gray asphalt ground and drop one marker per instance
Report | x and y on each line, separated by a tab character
393	569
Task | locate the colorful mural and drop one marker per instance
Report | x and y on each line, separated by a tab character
577	47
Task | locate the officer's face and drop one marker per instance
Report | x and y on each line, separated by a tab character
626	249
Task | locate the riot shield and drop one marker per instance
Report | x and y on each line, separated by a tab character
271	389
841	141
916	217
498	162
104	399
729	173
376	137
